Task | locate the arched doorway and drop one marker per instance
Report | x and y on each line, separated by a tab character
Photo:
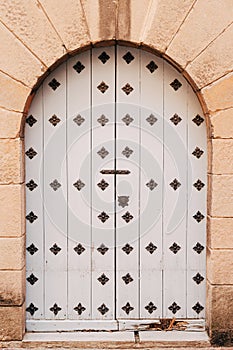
116	194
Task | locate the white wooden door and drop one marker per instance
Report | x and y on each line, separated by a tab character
116	194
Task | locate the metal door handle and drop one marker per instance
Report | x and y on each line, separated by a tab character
113	172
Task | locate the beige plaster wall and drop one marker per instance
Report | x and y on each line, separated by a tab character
196	36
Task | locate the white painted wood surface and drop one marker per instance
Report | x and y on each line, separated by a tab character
83	282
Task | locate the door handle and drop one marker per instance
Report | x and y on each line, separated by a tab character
113	172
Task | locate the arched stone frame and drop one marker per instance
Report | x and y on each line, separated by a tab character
210	78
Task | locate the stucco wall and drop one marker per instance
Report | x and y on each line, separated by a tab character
196	36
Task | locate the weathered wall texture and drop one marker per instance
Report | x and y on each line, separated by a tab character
197	36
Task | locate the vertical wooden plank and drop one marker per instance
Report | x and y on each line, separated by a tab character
175	193
34	204
151	186
79	186
103	156
55	196
197	180
127	186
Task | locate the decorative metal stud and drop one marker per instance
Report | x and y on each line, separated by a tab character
54	120
55	185
79	249
32	279
152	66
55	309
175	184
198	216
102	87
176	84
198	278
78	67
151	248
32	249
127	278
102	249
55	249
31	309
103	184
128	57
198	152
103	309
103	152
127	152
127	249
103	279
175	119
31	153
174	308
79	120
103	216
175	248
150	307
102	120
199	185
198	120
31	185
31	120
151	184
123	201
79	184
54	84
127	119
198	307
151	119
127	308
31	217
127	89
198	248
79	308
127	217
103	57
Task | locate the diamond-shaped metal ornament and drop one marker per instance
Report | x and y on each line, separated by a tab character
79	184
103	185
127	308
55	185
151	119
127	217
152	66
54	84
103	279
31	120
127	278
150	307
151	248
55	309
103	57
174	308
31	309
198	120
55	249
127	248
31	185
123	201
103	152
102	249
79	249
198	307
198	185
175	184
175	119
31	217
175	248
103	309
197	152
103	216
102	120
151	184
198	216
198	248
79	120
128	57
127	88
78	67
32	249
176	84
102	87
79	308
54	120
127	152
198	278
32	279
31	153
127	119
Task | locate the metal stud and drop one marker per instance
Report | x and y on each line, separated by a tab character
127	308
79	308
198	120
127	249
198	248
152	66
151	119
127	88
102	249
127	119
103	152
103	279
174	308
123	201
198	216
127	278
102	120
54	84
151	184
31	185
151	248
175	184
31	309
102	87
103	309
78	67
176	84
128	57
31	120
127	217
32	249
175	248
55	185
79	184
197	152
198	278
127	152
103	184
31	217
79	120
54	120
55	249
103	216
198	308
31	153
55	309
199	185
79	249
32	279
103	57
150	307
175	119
